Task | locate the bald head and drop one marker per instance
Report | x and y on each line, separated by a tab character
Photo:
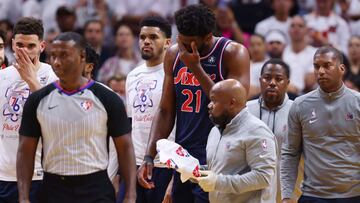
231	89
228	98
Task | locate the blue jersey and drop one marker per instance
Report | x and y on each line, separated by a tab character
192	118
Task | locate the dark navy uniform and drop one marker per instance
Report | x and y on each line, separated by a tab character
192	118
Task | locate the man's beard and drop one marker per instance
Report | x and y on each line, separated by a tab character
146	56
221	120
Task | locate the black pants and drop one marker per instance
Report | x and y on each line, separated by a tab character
161	178
307	199
9	191
92	188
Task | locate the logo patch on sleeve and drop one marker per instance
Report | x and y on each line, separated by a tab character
86	105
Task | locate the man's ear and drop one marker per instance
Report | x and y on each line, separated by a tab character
42	46
167	43
208	37
13	45
83	56
342	68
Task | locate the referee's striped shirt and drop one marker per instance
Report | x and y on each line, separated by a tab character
74	126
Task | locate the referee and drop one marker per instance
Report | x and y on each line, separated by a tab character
74	117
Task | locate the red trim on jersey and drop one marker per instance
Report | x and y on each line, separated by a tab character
213	49
176	61
220	60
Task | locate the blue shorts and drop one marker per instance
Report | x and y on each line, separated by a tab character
187	192
161	178
307	199
9	191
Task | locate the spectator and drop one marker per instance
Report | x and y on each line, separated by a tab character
94	35
3	60
66	19
275	43
126	57
298	55
249	13
326	27
7	27
227	25
117	84
258	57
350	11
280	20
354	55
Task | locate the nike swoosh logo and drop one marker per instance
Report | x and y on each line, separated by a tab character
262	156
312	121
51	107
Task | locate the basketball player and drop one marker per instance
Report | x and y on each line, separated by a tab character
192	67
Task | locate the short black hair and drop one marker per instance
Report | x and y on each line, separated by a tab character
79	40
157	21
277	61
120	23
330	49
117	77
259	35
91	56
65	11
87	23
3	35
195	20
29	26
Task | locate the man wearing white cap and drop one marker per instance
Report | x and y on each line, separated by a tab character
275	43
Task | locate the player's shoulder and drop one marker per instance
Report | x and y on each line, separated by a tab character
8	71
252	103
172	51
235	48
138	69
43	92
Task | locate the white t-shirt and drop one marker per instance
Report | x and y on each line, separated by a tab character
300	64
13	94
271	23
336	28
255	69
143	93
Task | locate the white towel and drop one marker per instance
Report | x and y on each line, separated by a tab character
174	156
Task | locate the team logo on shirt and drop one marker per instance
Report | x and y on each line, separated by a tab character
16	99
211	59
349	117
43	80
143	98
86	105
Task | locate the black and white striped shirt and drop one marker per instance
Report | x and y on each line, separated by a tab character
74	126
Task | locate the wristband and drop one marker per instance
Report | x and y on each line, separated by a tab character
148	159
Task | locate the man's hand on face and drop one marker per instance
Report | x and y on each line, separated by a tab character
25	66
191	60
